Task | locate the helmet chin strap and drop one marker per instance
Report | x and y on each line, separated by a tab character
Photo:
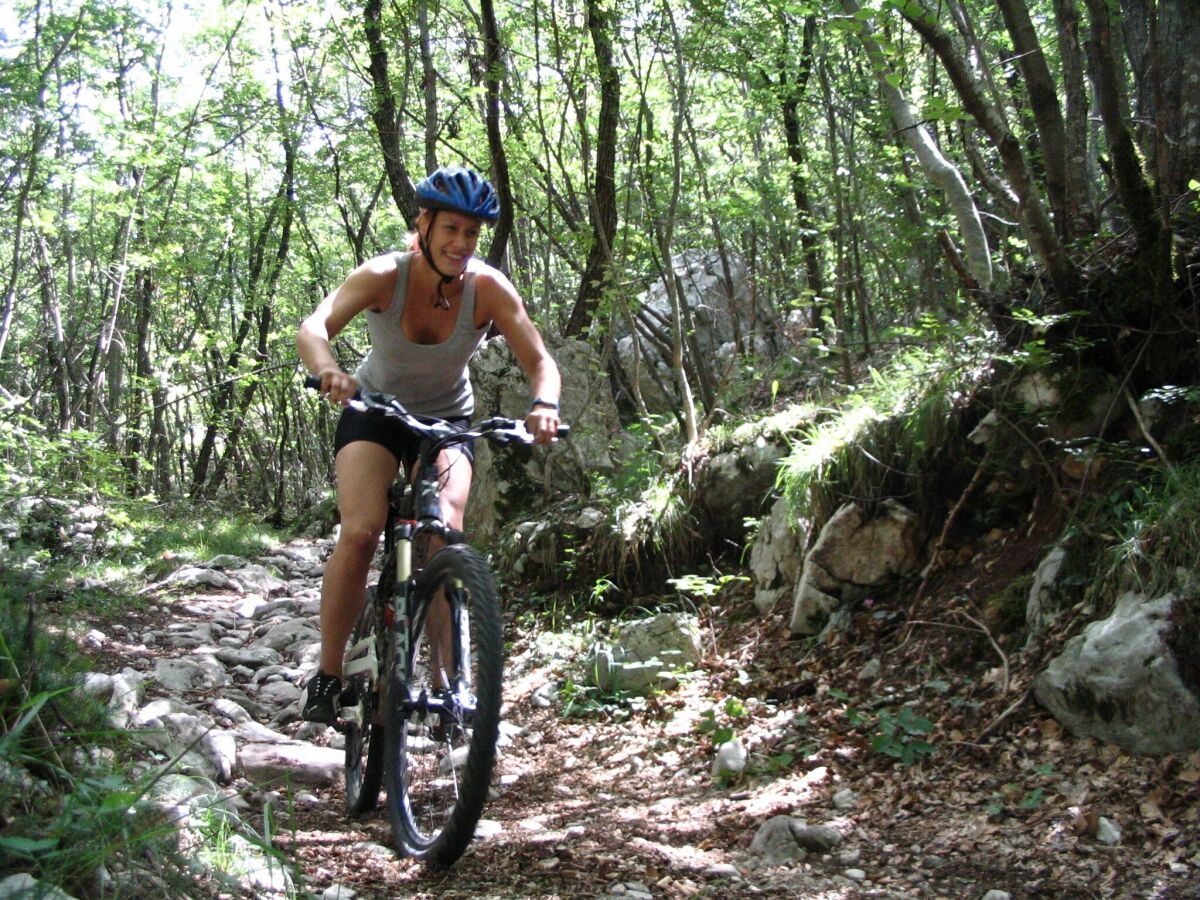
440	301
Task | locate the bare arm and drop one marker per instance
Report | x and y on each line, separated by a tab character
502	304
370	286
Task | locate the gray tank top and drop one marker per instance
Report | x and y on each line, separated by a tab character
429	379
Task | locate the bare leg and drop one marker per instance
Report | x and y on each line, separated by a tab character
364	471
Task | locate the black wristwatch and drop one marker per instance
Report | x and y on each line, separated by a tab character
540	402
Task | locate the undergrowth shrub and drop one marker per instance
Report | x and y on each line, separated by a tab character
901	435
70	464
68	813
1157	524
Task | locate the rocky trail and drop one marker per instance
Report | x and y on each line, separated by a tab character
615	796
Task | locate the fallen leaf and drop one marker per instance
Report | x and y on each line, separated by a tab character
1086	822
1149	807
1050	728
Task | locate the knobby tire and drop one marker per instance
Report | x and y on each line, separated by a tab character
365	744
435	796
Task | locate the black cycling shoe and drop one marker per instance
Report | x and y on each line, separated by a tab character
322	700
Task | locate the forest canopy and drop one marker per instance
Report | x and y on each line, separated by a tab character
182	184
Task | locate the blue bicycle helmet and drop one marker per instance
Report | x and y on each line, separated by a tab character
460	190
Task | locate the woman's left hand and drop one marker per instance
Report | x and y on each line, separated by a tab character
542	422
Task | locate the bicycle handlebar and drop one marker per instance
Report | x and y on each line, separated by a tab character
497	429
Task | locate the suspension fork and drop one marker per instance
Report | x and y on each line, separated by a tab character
401	624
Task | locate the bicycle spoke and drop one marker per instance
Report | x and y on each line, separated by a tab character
442	755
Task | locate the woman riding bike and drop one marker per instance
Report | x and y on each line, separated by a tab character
429	309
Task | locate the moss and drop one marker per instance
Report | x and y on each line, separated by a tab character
1005	609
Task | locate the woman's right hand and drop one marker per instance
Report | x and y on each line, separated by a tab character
337	385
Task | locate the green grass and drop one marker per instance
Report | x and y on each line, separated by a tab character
67	808
134	542
1158	525
882	439
166	536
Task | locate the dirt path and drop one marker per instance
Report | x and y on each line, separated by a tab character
617	802
620	800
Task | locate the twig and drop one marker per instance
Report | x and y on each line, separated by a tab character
950	520
999	652
979	628
1137	415
941	540
1013	707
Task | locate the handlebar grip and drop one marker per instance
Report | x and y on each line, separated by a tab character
564	430
312	382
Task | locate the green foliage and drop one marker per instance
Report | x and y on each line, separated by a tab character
580	701
902	735
127	541
68	805
652	524
1016	797
1157	527
720	721
70	464
167	536
704	587
888	438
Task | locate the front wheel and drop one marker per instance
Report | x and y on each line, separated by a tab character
444	700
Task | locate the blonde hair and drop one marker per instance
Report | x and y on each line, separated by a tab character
412	240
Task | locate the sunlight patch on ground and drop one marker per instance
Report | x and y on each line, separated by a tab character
684	856
785	794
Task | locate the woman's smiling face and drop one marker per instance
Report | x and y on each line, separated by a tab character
451	240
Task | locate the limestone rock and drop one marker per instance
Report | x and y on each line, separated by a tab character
852	555
1119	681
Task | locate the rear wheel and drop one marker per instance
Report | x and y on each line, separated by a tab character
362	709
445	708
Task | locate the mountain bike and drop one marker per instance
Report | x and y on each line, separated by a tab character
421	712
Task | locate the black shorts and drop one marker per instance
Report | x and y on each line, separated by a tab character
390	434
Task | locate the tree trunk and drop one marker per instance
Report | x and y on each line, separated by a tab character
603	213
1181	49
428	86
1043	98
385	116
714	226
102	367
1038	228
219	418
143	376
1162	41
41	133
1080	210
1153	238
261	291
934	164
790	93
841	317
493	76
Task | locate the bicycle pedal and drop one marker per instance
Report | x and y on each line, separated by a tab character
352	714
